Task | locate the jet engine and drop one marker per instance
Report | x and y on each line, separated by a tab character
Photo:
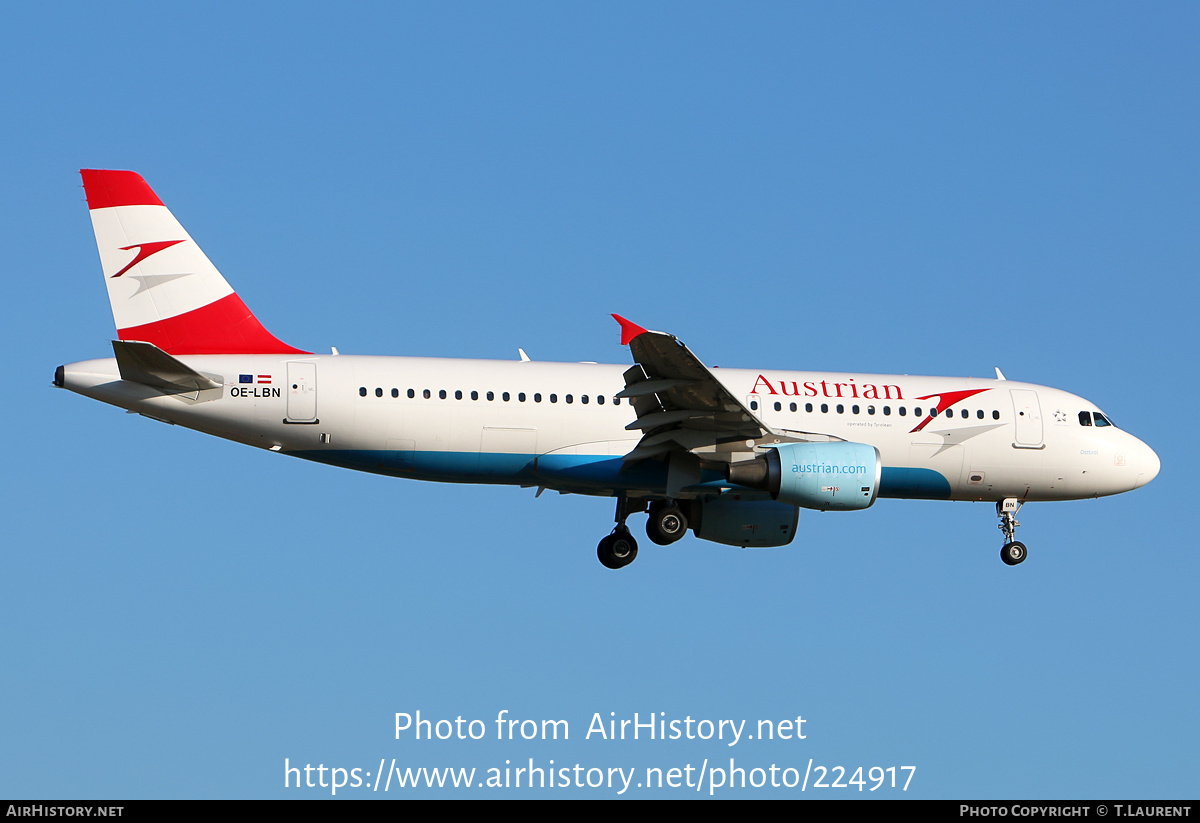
826	476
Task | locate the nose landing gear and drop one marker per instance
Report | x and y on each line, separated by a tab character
1013	551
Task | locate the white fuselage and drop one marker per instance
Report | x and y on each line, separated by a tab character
556	424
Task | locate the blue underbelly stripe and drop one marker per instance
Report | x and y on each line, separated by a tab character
582	471
921	484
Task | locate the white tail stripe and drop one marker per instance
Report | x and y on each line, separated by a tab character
173	280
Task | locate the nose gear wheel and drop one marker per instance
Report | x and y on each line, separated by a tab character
1013	551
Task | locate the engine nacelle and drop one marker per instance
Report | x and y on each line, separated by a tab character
825	476
751	524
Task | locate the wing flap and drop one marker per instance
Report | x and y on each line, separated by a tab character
651	387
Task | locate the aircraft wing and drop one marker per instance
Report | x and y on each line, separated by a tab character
679	402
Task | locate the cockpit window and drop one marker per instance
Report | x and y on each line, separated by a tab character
1085	418
1101	421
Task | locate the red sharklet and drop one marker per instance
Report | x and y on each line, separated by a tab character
629	329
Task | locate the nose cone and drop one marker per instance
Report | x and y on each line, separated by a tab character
1147	465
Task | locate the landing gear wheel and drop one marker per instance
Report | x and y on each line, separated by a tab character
617	550
1014	553
666	524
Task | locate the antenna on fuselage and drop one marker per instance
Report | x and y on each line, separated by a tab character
1000	374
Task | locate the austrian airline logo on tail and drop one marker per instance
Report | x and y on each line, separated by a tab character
179	301
144	251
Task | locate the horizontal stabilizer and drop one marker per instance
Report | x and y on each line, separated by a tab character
149	365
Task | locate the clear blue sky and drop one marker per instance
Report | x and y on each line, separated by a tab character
906	188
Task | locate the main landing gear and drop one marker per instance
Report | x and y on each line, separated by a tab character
667	523
619	549
1013	551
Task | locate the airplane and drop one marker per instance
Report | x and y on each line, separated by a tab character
730	454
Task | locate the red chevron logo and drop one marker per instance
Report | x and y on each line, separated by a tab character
144	251
945	401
